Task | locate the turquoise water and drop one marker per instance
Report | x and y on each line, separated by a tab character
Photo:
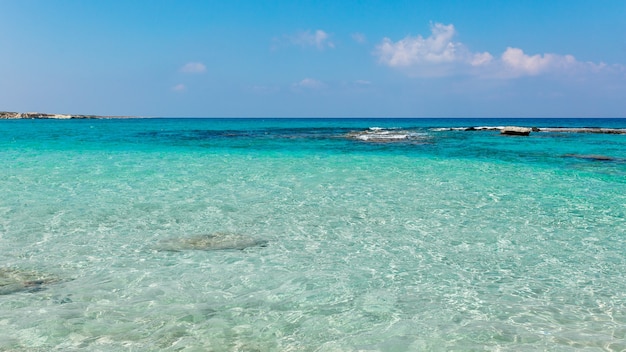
445	240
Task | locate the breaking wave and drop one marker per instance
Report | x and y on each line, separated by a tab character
382	135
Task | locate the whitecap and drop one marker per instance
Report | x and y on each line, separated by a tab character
377	134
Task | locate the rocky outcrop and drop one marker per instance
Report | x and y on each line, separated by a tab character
585	130
515	131
525	131
7	115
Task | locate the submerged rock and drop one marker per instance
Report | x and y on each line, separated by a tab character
515	131
524	131
215	241
599	130
15	280
592	157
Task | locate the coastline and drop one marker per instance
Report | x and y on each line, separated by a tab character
9	115
516	130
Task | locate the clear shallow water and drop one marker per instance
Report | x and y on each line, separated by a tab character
448	241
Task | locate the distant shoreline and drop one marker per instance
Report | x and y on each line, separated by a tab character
8	115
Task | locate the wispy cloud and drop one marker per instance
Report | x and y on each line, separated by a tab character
359	38
439	55
179	88
317	39
309	83
193	67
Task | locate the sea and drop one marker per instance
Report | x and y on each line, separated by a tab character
268	234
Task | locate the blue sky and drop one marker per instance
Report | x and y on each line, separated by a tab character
246	58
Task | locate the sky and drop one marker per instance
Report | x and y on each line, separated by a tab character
324	58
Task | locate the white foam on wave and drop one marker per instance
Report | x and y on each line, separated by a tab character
382	136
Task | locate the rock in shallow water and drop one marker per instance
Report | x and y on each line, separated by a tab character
215	241
15	280
591	157
515	131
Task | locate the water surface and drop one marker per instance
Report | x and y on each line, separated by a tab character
445	240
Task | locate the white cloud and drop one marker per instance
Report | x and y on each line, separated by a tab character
193	67
362	82
515	63
319	39
179	88
436	49
519	63
309	83
480	59
439	55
